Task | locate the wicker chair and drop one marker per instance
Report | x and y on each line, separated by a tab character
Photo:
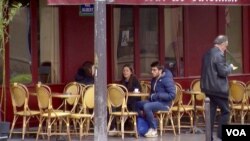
117	99
20	98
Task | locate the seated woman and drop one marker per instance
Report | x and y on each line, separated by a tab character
85	74
130	81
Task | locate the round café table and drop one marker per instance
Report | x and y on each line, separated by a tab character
195	93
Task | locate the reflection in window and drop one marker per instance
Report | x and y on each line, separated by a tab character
233	17
20	50
173	21
148	39
123	39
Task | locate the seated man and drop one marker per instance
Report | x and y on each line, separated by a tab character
161	96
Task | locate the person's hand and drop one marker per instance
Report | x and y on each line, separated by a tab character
154	97
233	67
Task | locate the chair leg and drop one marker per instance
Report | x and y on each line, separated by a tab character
109	123
75	124
242	117
24	127
179	123
135	126
68	130
192	121
87	125
13	125
172	123
49	131
161	123
81	128
39	129
122	127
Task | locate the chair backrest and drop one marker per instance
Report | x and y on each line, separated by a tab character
145	86
248	89
19	96
237	91
88	98
195	86
72	88
117	97
178	97
82	86
44	97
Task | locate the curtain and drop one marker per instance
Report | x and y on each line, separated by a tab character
117	15
49	40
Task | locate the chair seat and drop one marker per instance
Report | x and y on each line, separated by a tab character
28	113
56	114
239	107
78	116
125	113
200	108
162	112
186	108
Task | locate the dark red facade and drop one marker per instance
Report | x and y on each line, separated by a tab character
201	25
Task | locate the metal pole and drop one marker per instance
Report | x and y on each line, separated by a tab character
100	128
207	119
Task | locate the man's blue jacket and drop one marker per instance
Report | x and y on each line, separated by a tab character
163	88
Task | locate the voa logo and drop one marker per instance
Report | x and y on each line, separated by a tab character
236	132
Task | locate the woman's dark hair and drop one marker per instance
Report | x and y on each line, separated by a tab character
87	68
130	81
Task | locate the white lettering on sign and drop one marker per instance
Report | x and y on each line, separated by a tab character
87	9
236	132
215	0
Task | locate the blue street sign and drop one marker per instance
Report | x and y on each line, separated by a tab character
86	10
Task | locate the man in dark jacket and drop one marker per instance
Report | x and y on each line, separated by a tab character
161	96
214	81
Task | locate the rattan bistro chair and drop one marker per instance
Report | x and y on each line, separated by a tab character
20	98
238	98
48	114
199	99
83	118
72	88
145	88
117	99
179	109
165	116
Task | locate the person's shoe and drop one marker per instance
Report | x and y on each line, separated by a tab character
149	130
151	133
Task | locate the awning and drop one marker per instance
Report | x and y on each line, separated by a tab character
154	2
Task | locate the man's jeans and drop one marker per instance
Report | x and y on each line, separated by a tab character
149	108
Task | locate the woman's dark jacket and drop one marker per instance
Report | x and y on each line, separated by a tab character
131	85
81	77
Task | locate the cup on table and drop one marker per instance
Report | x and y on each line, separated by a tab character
136	90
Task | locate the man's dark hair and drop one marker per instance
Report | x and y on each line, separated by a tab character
158	65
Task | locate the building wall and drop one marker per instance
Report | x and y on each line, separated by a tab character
76	41
200	28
